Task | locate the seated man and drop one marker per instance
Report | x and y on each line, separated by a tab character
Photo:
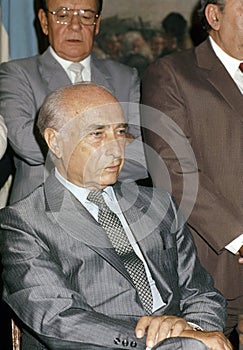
90	263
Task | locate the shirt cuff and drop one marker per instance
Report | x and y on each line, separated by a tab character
235	245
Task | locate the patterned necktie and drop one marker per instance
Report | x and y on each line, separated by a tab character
241	67
115	232
77	69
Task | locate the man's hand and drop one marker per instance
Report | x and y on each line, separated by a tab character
240	253
214	340
159	328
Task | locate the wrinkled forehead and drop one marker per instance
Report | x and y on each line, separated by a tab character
105	114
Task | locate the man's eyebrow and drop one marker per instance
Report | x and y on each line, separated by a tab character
103	126
96	126
123	125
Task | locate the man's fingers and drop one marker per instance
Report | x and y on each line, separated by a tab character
159	328
178	328
141	326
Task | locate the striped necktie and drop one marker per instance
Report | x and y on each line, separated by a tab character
77	69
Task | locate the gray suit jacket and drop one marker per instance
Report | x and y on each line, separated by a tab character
194	89
66	283
23	86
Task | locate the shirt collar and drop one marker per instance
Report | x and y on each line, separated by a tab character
230	63
65	64
81	193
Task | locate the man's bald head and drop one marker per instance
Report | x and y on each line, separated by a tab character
62	105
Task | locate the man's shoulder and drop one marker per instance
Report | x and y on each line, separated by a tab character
147	194
21	62
112	65
27	63
32	203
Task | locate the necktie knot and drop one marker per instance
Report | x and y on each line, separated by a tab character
241	67
77	69
96	197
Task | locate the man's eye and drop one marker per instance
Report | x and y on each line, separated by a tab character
121	131
87	16
97	133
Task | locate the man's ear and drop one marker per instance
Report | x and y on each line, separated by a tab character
97	26
51	137
213	15
43	21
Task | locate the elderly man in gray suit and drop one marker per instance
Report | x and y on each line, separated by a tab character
91	263
71	27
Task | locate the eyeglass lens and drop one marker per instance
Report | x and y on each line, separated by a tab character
65	15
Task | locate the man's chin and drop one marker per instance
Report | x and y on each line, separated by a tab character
108	180
104	181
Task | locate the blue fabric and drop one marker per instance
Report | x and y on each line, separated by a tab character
18	20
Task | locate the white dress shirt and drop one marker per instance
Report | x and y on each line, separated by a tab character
230	63
86	72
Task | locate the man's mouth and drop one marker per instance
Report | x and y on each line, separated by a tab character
113	167
74	40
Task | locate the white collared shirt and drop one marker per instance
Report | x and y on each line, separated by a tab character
81	193
230	63
86	72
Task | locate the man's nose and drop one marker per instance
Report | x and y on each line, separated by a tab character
75	21
115	147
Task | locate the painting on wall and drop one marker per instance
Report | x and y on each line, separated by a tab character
137	32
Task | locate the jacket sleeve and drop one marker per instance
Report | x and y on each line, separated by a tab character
43	298
200	302
19	109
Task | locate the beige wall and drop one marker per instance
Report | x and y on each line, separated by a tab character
149	10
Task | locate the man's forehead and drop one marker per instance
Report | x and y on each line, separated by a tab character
101	118
72	3
90	118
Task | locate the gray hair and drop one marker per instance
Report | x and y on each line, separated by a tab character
204	4
53	113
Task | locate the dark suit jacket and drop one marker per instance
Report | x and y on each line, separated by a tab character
23	86
66	283
194	89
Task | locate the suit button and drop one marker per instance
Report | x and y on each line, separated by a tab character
133	344
125	342
117	341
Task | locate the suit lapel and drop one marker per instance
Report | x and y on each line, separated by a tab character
52	72
63	207
218	76
75	220
100	74
148	212
55	76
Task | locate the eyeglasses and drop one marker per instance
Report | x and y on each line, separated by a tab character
64	15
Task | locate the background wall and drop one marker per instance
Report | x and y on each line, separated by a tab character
149	10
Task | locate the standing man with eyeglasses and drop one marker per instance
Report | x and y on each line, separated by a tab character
71	27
